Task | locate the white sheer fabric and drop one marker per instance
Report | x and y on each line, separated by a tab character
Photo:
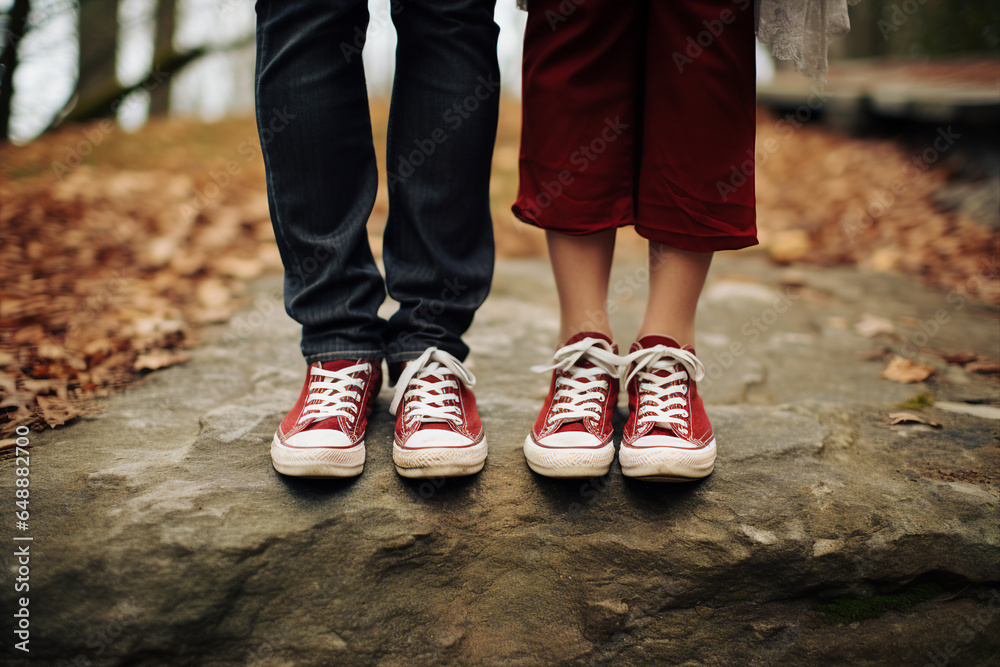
800	30
797	30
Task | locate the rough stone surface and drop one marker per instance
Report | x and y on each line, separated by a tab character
163	537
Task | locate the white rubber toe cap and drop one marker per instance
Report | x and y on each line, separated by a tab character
428	438
667	441
326	437
570	439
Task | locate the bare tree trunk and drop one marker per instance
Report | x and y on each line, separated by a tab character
109	97
166	20
17	23
98	50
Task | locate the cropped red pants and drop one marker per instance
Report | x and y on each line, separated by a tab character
640	113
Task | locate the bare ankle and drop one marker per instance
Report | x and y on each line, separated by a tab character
565	333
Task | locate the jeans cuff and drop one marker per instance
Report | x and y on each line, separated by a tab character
347	355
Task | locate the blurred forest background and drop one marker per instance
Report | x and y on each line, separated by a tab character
133	211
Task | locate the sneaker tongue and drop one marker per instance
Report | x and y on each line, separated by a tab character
652	340
576	338
430	422
576	425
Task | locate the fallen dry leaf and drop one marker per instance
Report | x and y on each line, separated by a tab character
212	293
239	267
871	325
790	245
972	476
56	410
792	278
909	418
878	354
983	367
960	358
901	369
151	361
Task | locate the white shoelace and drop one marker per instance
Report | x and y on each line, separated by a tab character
662	400
333	394
578	395
428	399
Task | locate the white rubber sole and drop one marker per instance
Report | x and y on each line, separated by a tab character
317	461
439	461
667	464
570	462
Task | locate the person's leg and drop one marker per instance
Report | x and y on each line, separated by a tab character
315	132
696	186
699	134
699	124
582	266
576	182
438	247
577	141
578	109
675	281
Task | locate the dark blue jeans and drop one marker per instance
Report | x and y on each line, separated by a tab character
316	137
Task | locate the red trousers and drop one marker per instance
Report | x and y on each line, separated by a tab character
640	114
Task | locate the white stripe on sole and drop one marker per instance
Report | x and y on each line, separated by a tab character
667	464
439	461
568	461
317	461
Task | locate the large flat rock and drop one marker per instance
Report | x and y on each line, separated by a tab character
162	536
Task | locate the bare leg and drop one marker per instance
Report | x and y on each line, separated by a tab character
675	281
582	267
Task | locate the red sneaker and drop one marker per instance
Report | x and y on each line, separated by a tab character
668	436
438	431
323	435
572	436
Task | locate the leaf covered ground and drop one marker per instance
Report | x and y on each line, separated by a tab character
116	248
